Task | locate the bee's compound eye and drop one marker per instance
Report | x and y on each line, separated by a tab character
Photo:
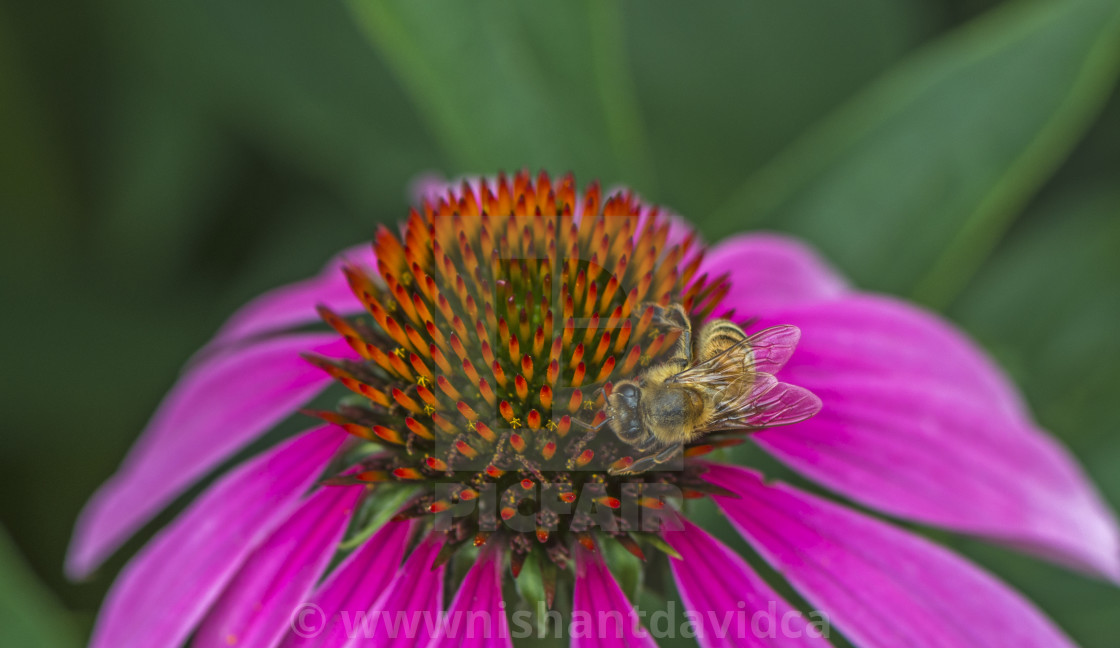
629	392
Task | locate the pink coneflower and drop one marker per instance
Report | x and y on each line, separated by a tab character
478	345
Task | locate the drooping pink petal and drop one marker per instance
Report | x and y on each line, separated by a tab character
256	608
602	617
293	305
350	590
917	422
735	607
879	585
216	408
771	271
477	618
408	612
165	590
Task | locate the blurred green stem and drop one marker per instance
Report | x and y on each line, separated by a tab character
518	119
924	170
1053	143
616	91
384	28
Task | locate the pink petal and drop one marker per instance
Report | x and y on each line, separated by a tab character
407	614
714	582
432	185
256	608
771	271
879	585
917	422
293	305
170	584
216	408
350	589
871	334
477	618
602	616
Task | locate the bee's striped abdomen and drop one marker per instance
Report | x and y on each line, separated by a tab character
716	337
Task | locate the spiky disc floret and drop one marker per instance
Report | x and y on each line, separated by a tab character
496	323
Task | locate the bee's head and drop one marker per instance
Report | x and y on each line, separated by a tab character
622	411
626	395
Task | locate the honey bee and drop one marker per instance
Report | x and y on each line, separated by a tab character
722	380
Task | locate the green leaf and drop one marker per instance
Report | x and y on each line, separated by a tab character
485	76
724	85
378	510
538	573
659	543
625	566
910	185
28	616
294	81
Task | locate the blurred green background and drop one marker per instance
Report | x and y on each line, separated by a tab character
162	162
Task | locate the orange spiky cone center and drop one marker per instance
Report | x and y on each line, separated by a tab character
496	323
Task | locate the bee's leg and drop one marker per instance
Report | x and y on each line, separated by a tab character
649	461
717	336
654	458
668	453
640	465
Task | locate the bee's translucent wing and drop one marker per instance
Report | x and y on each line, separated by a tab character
765	403
772	348
764	352
721	371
